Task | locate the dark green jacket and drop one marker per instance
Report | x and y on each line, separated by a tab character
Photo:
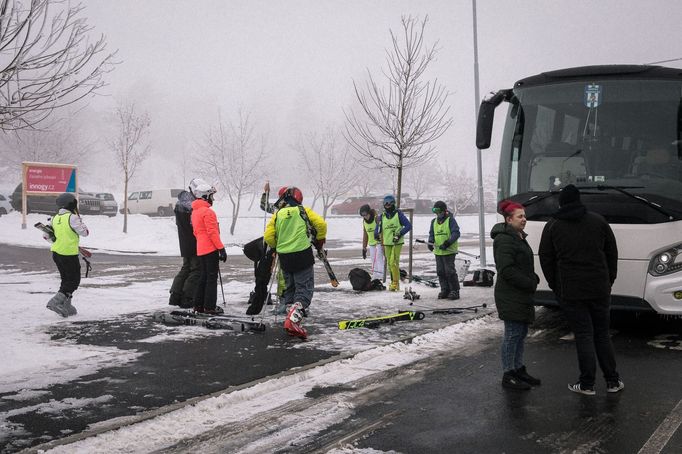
516	279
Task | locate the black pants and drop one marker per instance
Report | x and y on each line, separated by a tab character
185	282
590	320
70	272
205	295
447	273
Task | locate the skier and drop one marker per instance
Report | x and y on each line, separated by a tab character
376	251
185	282
443	236
68	228
291	231
209	247
390	229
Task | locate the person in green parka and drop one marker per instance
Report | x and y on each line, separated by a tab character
514	289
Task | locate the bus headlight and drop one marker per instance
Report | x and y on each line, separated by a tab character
666	262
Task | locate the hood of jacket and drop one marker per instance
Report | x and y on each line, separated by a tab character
503	228
185	199
571	211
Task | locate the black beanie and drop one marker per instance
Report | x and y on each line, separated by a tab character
569	194
440	204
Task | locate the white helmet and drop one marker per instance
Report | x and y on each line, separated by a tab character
200	189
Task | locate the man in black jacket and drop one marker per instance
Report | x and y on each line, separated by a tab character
182	289
579	258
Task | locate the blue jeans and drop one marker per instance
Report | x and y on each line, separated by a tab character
300	287
512	344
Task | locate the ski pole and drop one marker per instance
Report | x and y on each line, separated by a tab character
222	290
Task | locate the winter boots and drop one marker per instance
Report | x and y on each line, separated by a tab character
292	324
453	295
442	295
523	375
61	304
511	381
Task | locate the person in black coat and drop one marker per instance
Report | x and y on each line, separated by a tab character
579	258
184	283
514	289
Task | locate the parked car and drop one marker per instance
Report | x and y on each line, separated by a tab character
352	205
5	206
107	202
47	204
157	201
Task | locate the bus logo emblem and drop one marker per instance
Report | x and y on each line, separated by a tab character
592	96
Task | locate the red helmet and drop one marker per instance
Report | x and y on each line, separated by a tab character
291	191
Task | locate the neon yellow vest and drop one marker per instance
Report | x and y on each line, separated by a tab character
291	231
390	228
67	239
369	228
441	232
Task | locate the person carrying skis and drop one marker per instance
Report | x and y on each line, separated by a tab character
376	251
210	248
185	282
443	242
68	228
290	231
390	230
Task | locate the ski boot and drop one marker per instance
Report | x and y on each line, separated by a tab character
70	308
410	294
292	324
214	311
394	286
57	305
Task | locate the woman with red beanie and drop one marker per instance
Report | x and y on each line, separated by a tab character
514	288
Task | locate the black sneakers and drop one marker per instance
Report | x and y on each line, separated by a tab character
614	386
511	381
581	389
523	375
453	295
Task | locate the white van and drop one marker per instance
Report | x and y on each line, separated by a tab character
157	201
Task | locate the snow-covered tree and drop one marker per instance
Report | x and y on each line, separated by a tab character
46	60
330	166
233	154
397	123
130	146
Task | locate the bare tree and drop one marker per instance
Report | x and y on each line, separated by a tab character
62	143
46	60
420	179
461	189
129	146
330	165
233	155
400	121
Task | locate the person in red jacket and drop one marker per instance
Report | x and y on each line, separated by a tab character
209	247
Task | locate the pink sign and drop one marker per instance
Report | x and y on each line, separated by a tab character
50	179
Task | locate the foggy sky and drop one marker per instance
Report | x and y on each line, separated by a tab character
291	63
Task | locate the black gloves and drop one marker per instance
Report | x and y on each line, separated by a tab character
446	244
364	253
396	238
430	246
222	255
319	244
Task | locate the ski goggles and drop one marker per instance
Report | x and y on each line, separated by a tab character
437	210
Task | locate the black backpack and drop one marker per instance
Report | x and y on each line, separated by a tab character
484	278
360	279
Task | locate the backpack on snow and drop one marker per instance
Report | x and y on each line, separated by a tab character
484	278
360	279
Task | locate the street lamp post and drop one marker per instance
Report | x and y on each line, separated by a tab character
477	100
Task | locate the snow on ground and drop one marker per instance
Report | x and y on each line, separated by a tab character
32	361
158	235
284	392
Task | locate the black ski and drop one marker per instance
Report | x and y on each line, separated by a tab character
374	322
453	310
188	318
433	282
322	255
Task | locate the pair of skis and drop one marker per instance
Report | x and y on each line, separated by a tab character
190	318
375	322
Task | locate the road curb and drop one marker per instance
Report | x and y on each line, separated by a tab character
125	421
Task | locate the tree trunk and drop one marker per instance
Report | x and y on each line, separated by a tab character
235	213
125	206
400	181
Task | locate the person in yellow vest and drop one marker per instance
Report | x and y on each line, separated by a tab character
68	228
390	230
369	242
290	231
443	242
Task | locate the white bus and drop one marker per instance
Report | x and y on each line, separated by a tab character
616	133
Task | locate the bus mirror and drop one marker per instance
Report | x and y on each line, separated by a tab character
484	128
486	113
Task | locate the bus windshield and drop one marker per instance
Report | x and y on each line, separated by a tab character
619	140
